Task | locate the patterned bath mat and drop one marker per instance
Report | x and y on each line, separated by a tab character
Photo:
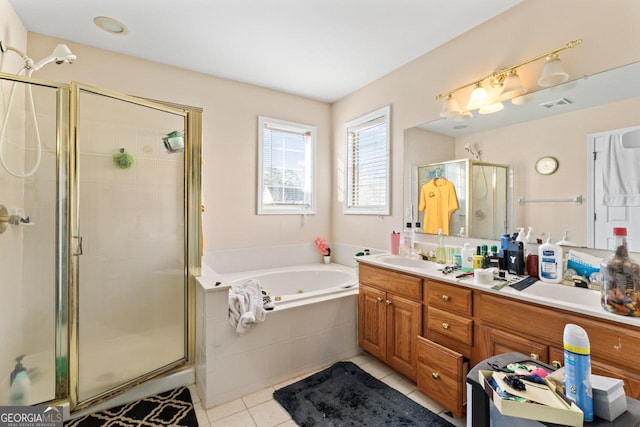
171	408
345	395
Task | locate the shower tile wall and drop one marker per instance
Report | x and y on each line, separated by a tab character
146	203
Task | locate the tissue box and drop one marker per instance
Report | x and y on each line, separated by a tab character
609	399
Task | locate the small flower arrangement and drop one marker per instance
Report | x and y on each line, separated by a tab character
322	246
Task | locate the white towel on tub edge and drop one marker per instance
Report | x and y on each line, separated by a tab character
245	305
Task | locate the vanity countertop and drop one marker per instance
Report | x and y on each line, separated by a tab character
561	296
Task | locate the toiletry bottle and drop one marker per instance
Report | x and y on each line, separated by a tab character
441	252
477	258
408	242
20	388
485	256
530	237
620	285
550	261
521	237
577	368
466	257
494	260
457	257
504	247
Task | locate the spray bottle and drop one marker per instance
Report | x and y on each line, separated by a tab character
577	368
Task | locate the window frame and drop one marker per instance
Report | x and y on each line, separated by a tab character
383	114
310	167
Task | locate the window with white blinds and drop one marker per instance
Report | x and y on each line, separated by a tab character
367	186
286	163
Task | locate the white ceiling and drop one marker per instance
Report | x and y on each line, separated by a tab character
320	49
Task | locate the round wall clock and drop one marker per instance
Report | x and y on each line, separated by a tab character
547	165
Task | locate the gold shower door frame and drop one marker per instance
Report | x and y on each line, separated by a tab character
192	233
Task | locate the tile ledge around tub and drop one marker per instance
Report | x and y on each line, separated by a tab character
211	281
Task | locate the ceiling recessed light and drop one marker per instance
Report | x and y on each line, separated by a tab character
110	25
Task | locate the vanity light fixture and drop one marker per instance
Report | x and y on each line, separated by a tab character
505	84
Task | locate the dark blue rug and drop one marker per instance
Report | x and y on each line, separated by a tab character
345	395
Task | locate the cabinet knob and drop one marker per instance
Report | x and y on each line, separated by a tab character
534	356
380	299
435	375
388	302
445	298
445	326
556	364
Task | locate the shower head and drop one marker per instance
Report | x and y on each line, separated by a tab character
476	153
60	55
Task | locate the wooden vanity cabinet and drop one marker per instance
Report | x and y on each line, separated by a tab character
538	330
390	317
433	332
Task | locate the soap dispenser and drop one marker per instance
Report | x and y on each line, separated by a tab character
20	384
530	237
551	262
521	236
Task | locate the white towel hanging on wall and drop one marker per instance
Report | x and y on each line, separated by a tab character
621	174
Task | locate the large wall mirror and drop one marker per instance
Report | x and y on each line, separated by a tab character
556	122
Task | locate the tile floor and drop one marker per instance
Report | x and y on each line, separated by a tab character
259	409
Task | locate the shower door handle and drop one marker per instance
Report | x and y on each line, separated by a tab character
79	245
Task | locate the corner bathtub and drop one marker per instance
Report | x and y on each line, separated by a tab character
301	284
305	332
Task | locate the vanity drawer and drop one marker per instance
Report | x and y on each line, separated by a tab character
449	297
450	325
391	281
441	375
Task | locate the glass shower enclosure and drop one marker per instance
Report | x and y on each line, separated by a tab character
100	242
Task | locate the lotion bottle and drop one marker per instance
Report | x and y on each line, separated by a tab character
550	262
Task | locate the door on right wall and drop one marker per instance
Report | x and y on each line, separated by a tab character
614	187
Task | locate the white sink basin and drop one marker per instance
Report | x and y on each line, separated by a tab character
564	293
404	262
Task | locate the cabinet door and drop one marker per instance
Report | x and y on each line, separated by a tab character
494	341
372	333
404	324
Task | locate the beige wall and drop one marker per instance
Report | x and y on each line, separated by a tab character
230	138
231	110
611	38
